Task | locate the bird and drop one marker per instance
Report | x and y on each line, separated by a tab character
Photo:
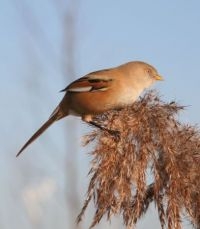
101	91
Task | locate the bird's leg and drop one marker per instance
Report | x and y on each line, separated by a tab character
114	133
89	119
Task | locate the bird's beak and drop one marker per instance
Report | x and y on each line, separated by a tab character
158	77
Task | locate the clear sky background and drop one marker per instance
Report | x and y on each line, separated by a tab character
165	34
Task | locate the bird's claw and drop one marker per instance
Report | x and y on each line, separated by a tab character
115	134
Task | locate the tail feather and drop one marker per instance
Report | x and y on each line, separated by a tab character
57	114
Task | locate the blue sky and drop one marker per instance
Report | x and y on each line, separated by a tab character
165	34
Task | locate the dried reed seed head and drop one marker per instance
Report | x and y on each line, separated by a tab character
152	138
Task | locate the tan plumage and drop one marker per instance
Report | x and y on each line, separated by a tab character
100	91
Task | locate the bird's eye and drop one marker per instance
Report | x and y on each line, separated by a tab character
149	72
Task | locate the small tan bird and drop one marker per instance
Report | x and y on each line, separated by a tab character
101	91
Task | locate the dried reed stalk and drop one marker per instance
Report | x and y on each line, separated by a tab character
151	139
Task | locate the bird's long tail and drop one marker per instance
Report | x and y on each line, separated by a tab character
56	115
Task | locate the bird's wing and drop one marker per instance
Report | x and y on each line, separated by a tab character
90	83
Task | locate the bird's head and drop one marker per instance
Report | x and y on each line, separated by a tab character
141	74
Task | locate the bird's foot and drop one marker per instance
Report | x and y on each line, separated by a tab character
114	133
